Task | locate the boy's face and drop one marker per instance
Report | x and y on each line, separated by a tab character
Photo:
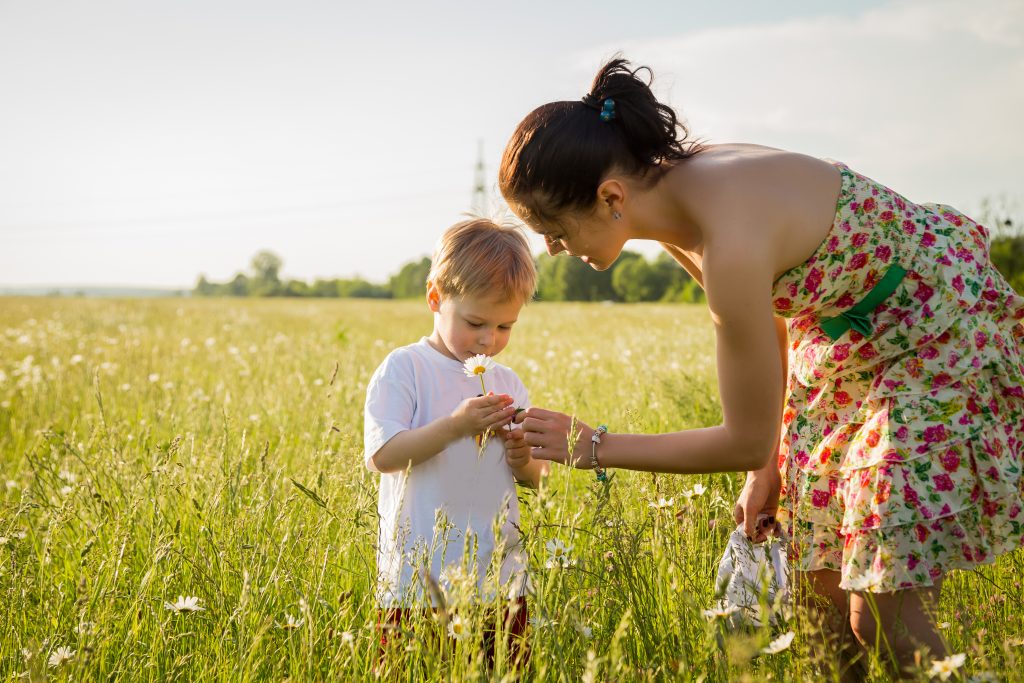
469	325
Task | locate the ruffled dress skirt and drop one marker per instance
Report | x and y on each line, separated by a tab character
901	447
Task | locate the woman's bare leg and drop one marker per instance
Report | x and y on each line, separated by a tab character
831	604
907	624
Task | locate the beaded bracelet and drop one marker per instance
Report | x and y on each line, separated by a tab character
602	474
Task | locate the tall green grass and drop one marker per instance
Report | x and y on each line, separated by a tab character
212	448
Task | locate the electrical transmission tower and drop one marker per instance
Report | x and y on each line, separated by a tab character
480	203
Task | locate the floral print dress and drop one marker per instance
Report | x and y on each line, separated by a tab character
901	447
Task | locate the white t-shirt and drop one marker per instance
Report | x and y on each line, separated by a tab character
457	488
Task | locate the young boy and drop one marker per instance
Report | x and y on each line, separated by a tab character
441	496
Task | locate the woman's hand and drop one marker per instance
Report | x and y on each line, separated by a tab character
759	502
547	432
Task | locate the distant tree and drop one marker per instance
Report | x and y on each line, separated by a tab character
564	278
295	288
361	289
410	281
239	286
636	280
204	287
324	288
266	274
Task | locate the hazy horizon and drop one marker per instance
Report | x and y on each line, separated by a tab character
144	145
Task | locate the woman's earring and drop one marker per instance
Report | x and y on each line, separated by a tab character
616	215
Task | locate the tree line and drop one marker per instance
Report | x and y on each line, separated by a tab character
633	278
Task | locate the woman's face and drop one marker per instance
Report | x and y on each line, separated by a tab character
595	239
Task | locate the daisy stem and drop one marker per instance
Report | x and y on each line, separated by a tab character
483	389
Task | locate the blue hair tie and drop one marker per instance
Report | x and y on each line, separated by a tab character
608	110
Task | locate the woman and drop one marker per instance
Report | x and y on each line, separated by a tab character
865	340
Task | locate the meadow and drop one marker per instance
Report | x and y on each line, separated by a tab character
212	449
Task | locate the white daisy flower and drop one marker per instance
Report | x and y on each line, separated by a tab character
76	359
189	604
3	541
60	655
662	503
477	365
720	612
347	637
291	623
697	490
457	628
944	668
866	583
558	554
779	644
154	377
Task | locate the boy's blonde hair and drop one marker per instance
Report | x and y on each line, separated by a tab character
478	256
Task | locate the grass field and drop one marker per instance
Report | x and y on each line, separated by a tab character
151	449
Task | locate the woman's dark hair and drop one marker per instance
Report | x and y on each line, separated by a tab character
560	152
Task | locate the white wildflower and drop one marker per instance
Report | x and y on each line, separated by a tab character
869	582
347	637
189	604
457	628
60	655
76	359
154	378
558	554
477	365
697	490
291	623
944	668
779	644
720	612
662	503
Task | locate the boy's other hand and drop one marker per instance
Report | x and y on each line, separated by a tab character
517	451
481	413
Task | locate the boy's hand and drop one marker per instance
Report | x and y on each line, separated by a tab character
517	451
481	413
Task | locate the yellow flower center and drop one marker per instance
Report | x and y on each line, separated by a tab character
479	370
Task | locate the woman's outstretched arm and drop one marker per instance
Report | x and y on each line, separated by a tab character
738	281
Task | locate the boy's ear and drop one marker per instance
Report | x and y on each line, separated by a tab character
433	298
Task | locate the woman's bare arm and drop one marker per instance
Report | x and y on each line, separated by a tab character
738	283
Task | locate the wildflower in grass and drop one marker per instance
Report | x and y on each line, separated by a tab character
189	604
126	387
943	624
348	638
720	612
539	621
154	378
868	582
85	628
457	628
60	655
291	623
558	554
66	490
662	503
944	668
3	541
697	490
779	644
76	359
585	631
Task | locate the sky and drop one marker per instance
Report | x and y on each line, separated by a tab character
145	143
